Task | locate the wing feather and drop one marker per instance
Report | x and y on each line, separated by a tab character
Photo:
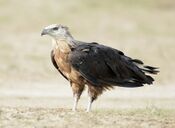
104	65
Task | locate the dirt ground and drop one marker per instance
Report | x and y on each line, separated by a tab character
152	107
25	117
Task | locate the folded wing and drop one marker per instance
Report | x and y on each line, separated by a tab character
101	65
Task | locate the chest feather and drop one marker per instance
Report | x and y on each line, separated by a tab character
62	51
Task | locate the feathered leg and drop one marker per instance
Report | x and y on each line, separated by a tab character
93	94
77	91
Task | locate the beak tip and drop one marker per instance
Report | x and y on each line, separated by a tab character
44	32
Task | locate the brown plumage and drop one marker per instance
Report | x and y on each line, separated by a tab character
97	66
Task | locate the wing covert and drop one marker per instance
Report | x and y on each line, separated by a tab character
104	65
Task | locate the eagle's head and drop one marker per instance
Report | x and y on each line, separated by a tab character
56	31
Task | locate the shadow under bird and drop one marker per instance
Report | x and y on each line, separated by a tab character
97	66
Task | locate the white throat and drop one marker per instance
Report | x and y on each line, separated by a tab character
54	44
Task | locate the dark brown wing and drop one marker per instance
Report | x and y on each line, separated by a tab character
104	65
55	64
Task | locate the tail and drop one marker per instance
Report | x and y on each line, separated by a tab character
146	70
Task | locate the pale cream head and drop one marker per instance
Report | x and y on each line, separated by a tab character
56	31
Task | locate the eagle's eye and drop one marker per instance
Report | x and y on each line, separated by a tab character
55	28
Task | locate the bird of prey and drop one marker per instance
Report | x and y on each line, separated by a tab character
94	65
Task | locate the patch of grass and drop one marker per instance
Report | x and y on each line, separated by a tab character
151	111
43	117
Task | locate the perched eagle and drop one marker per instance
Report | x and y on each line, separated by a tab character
95	65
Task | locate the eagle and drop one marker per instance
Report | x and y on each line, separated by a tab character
94	65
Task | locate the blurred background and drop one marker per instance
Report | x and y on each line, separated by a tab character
143	29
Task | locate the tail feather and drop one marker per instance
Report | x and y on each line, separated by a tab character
145	68
144	78
150	69
149	79
137	61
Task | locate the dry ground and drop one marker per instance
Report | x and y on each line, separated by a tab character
45	107
21	117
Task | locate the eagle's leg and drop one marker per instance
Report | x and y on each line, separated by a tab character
74	108
90	100
77	91
93	94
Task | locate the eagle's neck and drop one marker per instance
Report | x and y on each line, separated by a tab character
63	45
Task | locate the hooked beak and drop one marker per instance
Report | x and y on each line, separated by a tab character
44	32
